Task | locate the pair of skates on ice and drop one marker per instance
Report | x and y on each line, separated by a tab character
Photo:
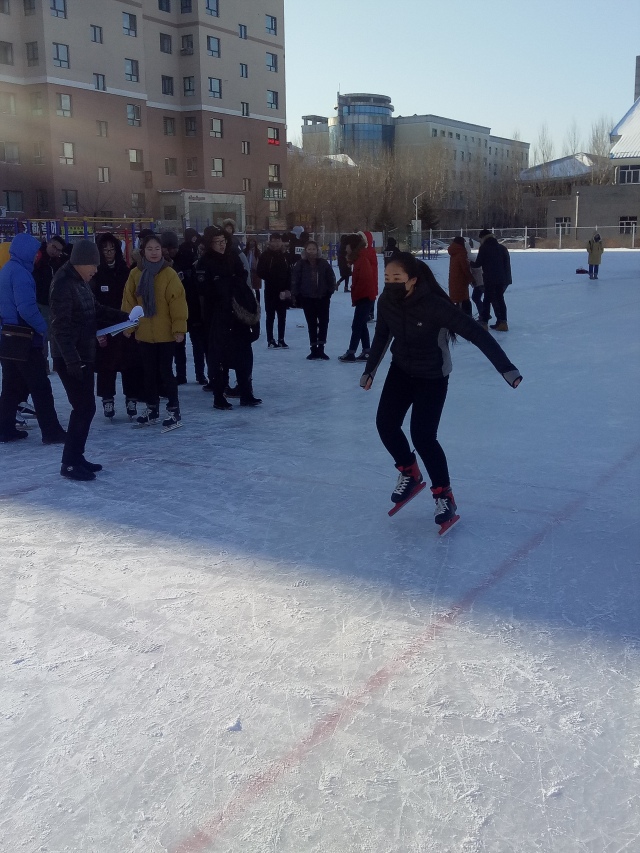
410	483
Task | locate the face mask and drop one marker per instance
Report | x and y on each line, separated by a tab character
396	289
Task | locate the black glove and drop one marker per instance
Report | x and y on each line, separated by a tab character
76	370
513	378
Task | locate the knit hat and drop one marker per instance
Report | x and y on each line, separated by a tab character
169	240
85	254
483	233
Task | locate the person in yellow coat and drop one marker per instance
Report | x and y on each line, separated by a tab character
155	286
595	249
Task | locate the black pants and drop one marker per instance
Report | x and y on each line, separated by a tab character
316	313
494	298
359	330
273	306
239	357
198	346
83	407
157	367
121	355
477	294
21	378
465	307
426	396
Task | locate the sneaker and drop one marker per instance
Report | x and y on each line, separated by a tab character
272	345
77	472
151	415
108	407
282	344
90	466
55	438
313	354
500	327
409	479
132	408
364	356
16	435
222	404
445	504
250	401
348	356
232	392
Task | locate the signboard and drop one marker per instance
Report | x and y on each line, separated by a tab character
271	194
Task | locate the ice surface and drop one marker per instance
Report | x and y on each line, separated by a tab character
224	643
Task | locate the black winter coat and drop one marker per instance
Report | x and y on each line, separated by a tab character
76	316
417	329
108	283
494	259
274	269
184	265
304	283
44	270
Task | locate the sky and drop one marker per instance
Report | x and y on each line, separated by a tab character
505	64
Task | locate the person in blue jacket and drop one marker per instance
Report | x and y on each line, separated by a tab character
20	378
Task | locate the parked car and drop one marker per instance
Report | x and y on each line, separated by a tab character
514	242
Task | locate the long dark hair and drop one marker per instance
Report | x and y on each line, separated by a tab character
418	269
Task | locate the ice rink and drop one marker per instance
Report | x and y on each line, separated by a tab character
224	644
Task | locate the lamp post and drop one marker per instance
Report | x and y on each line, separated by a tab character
415	203
577	205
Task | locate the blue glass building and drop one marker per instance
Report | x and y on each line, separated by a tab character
363	125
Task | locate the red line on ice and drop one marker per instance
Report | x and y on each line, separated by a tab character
202	839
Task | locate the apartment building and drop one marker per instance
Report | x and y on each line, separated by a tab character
170	109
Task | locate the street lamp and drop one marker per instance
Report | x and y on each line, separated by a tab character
415	202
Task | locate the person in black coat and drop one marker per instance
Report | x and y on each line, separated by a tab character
274	269
417	319
391	250
231	316
494	259
116	354
313	283
343	266
50	258
75	319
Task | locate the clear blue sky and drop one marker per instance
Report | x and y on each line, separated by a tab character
507	64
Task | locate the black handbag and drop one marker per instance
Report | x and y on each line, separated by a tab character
15	342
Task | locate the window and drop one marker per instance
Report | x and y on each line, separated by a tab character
148	180
192	166
442	133
63	105
32	53
29	7
38	153
165	43
187	45
70	201
211	8
272	62
8	102
271	25
434	132
134	115
10	153
136	163
462	155
6	53
169	126
67	155
103	175
274	208
490	150
563	224
242	31
37	107
170	166
217	167
273	136
99	82
42	201
58	8
189	86
450	135
246	185
274	173
129	24
216	128
186	6
96	33
244	70
215	87
138	203
13	200
213	46
131	70
246	146
457	136
630	174
60	55
628	224
272	99
170	212
244	105
102	128
190	126
164	5
167	85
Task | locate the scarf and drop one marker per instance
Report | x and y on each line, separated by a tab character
145	287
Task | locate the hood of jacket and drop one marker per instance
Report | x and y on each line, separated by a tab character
24	249
456	249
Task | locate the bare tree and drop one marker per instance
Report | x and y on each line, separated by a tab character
600	146
572	143
543	147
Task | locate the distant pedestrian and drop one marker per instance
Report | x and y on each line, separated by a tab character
364	289
391	250
493	257
595	249
313	283
275	270
343	267
48	261
460	276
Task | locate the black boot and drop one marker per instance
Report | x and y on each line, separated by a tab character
314	353
321	353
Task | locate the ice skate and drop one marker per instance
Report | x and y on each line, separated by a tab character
132	408
150	416
172	420
410	483
109	408
445	510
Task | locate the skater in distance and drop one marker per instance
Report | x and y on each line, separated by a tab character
418	320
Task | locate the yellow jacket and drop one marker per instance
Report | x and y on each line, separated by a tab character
595	249
171	307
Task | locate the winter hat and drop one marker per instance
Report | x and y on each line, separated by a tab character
364	237
85	253
392	242
275	236
169	240
230	222
212	231
597	237
458	240
189	234
483	233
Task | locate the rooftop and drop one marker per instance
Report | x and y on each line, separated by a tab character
625	136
